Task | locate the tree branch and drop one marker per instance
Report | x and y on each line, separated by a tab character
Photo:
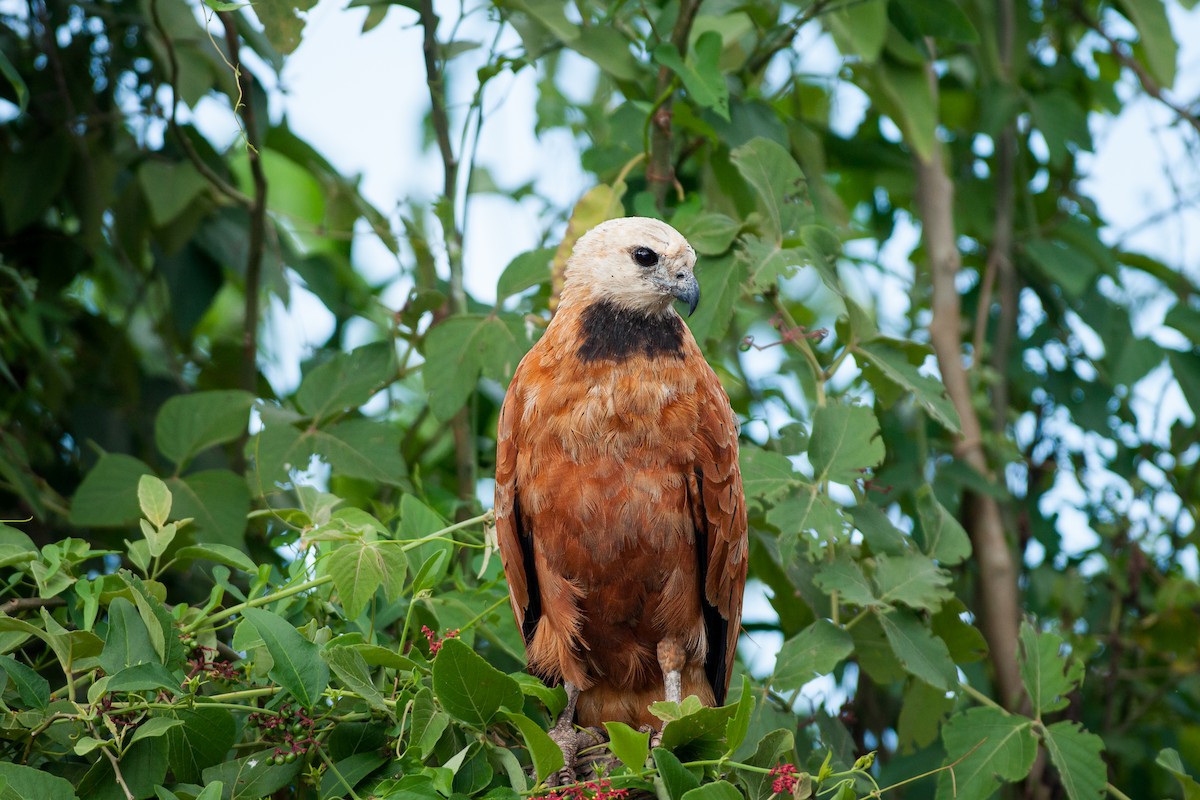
258	211
660	173
999	601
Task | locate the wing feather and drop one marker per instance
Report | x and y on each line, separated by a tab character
515	543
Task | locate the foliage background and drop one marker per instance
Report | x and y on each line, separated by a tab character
999	576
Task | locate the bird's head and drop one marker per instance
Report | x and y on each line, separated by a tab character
636	263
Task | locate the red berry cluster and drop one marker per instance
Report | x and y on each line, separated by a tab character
291	731
592	790
216	668
435	643
785	778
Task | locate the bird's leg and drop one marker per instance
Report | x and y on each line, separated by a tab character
671	657
563	734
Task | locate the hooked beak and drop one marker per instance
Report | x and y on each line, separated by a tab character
688	292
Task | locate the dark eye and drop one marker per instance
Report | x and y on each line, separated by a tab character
645	257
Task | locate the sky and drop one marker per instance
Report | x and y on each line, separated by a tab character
360	98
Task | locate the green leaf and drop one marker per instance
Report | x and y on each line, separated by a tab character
428	723
717	790
529	269
847	579
143	765
700	729
808	509
739	723
776	179
845	443
630	746
1158	48
914	580
108	495
253	776
904	94
469	688
921	715
923	655
458	351
942	537
155	500
153	727
283	24
218	502
942	19
1063	266
814	651
893	365
344	775
1169	760
546	756
33	689
1001	747
778	745
349	665
169	188
878	531
362	448
1075	753
27	782
217	553
151	677
766	475
765	261
297	667
710	234
859	29
677	780
128	642
188	424
1049	675
553	698
159	622
347	380
702	78
721	282
360	569
20	89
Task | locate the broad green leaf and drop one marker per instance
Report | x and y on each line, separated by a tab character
359	569
677	780
347	380
20	89
721	282
158	620
912	579
941	19
701	730
27	782
361	448
630	746
878	531
428	723
710	234
155	500
554	698
859	29
169	188
739	723
766	475
1049	675
964	641
218	502
904	94
1001	747
150	677
807	509
188	424
469	688
893	365
283	25
847	579
459	350
1075	753
253	776
546	756
775	747
765	261
923	655
701	75
529	269
1064	266
297	666
942	537
608	49
108	495
845	443
776	179
814	651
128	642
33	689
1157	47
341	778
921	715
351	668
155	726
143	765
717	790
1169	759
217	553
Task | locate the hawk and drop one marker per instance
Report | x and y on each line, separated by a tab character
620	513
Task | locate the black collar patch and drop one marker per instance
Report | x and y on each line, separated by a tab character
614	334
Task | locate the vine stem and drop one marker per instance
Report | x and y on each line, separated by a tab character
1115	792
259	601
